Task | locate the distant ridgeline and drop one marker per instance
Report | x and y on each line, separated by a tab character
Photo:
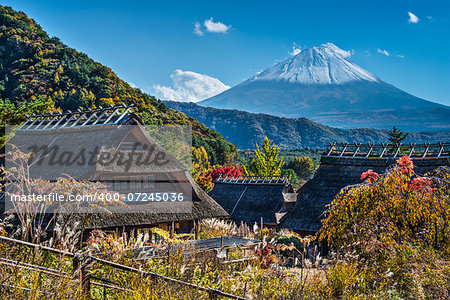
41	74
246	129
342	165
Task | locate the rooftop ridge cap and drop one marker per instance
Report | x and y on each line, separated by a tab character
79	118
257	180
387	150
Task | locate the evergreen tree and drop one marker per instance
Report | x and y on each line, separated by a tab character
396	136
265	161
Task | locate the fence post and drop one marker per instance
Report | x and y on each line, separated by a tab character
81	266
262	224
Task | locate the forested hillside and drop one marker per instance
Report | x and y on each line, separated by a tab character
246	129
39	73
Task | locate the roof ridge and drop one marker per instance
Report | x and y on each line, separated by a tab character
110	115
249	179
387	150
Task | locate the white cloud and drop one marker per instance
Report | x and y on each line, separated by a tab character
429	17
198	29
216	27
401	56
412	18
295	50
384	52
188	86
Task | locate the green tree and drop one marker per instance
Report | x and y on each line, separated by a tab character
265	160
292	176
396	136
303	166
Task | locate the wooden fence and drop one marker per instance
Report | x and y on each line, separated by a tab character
81	272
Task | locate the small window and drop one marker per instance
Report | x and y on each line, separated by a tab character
148	182
123	185
116	185
135	184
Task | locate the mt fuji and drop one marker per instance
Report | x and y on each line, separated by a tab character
322	84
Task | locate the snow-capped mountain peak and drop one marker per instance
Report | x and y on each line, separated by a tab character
325	64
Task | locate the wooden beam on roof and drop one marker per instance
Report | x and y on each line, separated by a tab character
67	122
370	149
344	147
94	114
426	150
384	149
78	120
43	120
331	148
357	149
62	118
441	148
398	149
35	120
99	117
51	121
111	115
123	115
25	123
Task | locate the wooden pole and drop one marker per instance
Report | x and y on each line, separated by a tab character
172	229
262	224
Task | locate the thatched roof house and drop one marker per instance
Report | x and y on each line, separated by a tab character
105	131
248	199
342	165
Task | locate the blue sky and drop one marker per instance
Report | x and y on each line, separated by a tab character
145	42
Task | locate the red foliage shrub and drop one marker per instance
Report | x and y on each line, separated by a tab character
370	175
225	170
421	184
405	165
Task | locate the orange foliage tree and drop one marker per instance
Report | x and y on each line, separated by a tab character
390	211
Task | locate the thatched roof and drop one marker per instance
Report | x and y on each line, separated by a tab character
250	199
142	215
341	167
85	131
88	139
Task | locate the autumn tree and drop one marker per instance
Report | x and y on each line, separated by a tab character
391	211
201	168
199	156
303	166
265	160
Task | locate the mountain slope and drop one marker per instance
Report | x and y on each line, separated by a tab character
321	84
245	129
40	72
